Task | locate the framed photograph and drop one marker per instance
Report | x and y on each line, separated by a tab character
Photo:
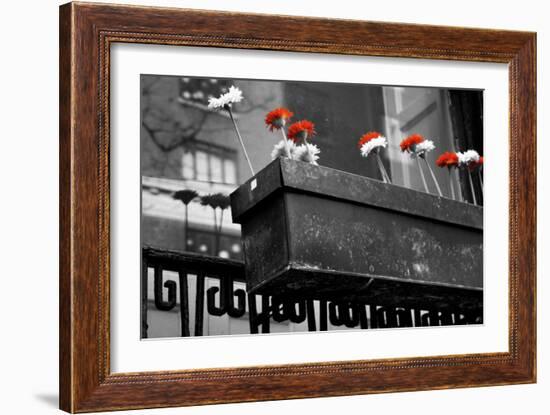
253	213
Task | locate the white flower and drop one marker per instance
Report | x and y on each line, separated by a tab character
308	153
284	148
234	95
375	143
424	147
467	157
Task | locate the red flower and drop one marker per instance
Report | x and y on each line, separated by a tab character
447	159
408	143
277	118
301	130
367	137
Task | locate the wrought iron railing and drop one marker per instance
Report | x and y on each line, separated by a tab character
228	299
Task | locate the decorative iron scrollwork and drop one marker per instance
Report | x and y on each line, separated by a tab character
233	302
286	310
227	299
346	314
258	319
388	317
169	285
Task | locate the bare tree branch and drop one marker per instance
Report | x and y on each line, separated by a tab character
168	133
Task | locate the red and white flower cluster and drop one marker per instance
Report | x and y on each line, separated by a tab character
371	141
295	145
416	145
299	131
470	160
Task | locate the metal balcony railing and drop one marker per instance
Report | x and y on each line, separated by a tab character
228	299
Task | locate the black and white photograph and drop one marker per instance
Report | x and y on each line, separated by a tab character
290	206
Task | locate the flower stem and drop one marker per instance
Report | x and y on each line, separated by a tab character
433	177
215	231
186	227
422	176
481	183
228	108
459	193
472	187
219	233
451	185
382	168
221	222
285	139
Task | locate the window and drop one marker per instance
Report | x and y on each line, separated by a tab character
230	171
416	110
216	171
204	242
208	162
201	166
198	91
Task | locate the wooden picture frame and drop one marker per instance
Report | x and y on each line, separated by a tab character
86	33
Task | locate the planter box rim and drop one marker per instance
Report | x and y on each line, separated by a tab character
326	182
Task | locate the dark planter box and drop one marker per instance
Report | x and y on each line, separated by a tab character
315	232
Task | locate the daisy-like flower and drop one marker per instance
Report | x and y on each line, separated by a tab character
365	138
373	144
284	148
226	101
447	159
370	141
231	97
374	141
468	157
308	153
277	118
424	147
417	146
409	144
301	130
